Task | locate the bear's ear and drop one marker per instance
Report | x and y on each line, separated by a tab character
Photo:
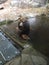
20	25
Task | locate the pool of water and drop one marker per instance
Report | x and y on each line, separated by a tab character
7	50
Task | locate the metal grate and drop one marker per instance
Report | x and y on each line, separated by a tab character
7	50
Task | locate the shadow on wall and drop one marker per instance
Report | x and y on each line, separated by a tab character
2	1
40	1
40	36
